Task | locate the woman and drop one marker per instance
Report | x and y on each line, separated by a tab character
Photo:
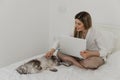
95	54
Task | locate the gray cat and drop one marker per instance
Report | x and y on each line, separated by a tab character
39	64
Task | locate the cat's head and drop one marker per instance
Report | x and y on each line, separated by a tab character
21	69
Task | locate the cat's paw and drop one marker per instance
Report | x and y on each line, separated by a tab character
53	69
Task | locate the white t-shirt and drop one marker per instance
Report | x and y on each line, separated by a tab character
94	41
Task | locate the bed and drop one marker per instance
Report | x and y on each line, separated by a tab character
109	71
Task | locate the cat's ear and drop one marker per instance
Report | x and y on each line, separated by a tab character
53	69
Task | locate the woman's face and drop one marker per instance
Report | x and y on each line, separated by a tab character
79	26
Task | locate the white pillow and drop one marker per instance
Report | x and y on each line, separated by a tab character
109	41
72	46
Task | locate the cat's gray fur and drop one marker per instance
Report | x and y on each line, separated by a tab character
39	64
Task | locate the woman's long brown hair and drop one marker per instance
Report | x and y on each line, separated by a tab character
85	18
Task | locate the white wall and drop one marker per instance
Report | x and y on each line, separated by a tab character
24	29
25	24
63	11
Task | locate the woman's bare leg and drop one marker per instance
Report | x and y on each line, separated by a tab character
67	58
92	62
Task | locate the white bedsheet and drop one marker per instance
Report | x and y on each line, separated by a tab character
109	71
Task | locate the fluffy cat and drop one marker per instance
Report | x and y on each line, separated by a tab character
39	64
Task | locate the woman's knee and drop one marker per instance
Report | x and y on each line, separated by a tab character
92	62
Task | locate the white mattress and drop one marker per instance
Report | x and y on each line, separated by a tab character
109	71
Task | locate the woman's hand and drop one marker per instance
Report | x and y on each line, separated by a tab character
50	53
88	53
84	54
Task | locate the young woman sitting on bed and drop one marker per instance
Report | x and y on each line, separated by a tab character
95	54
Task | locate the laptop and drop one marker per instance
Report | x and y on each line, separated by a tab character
72	46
